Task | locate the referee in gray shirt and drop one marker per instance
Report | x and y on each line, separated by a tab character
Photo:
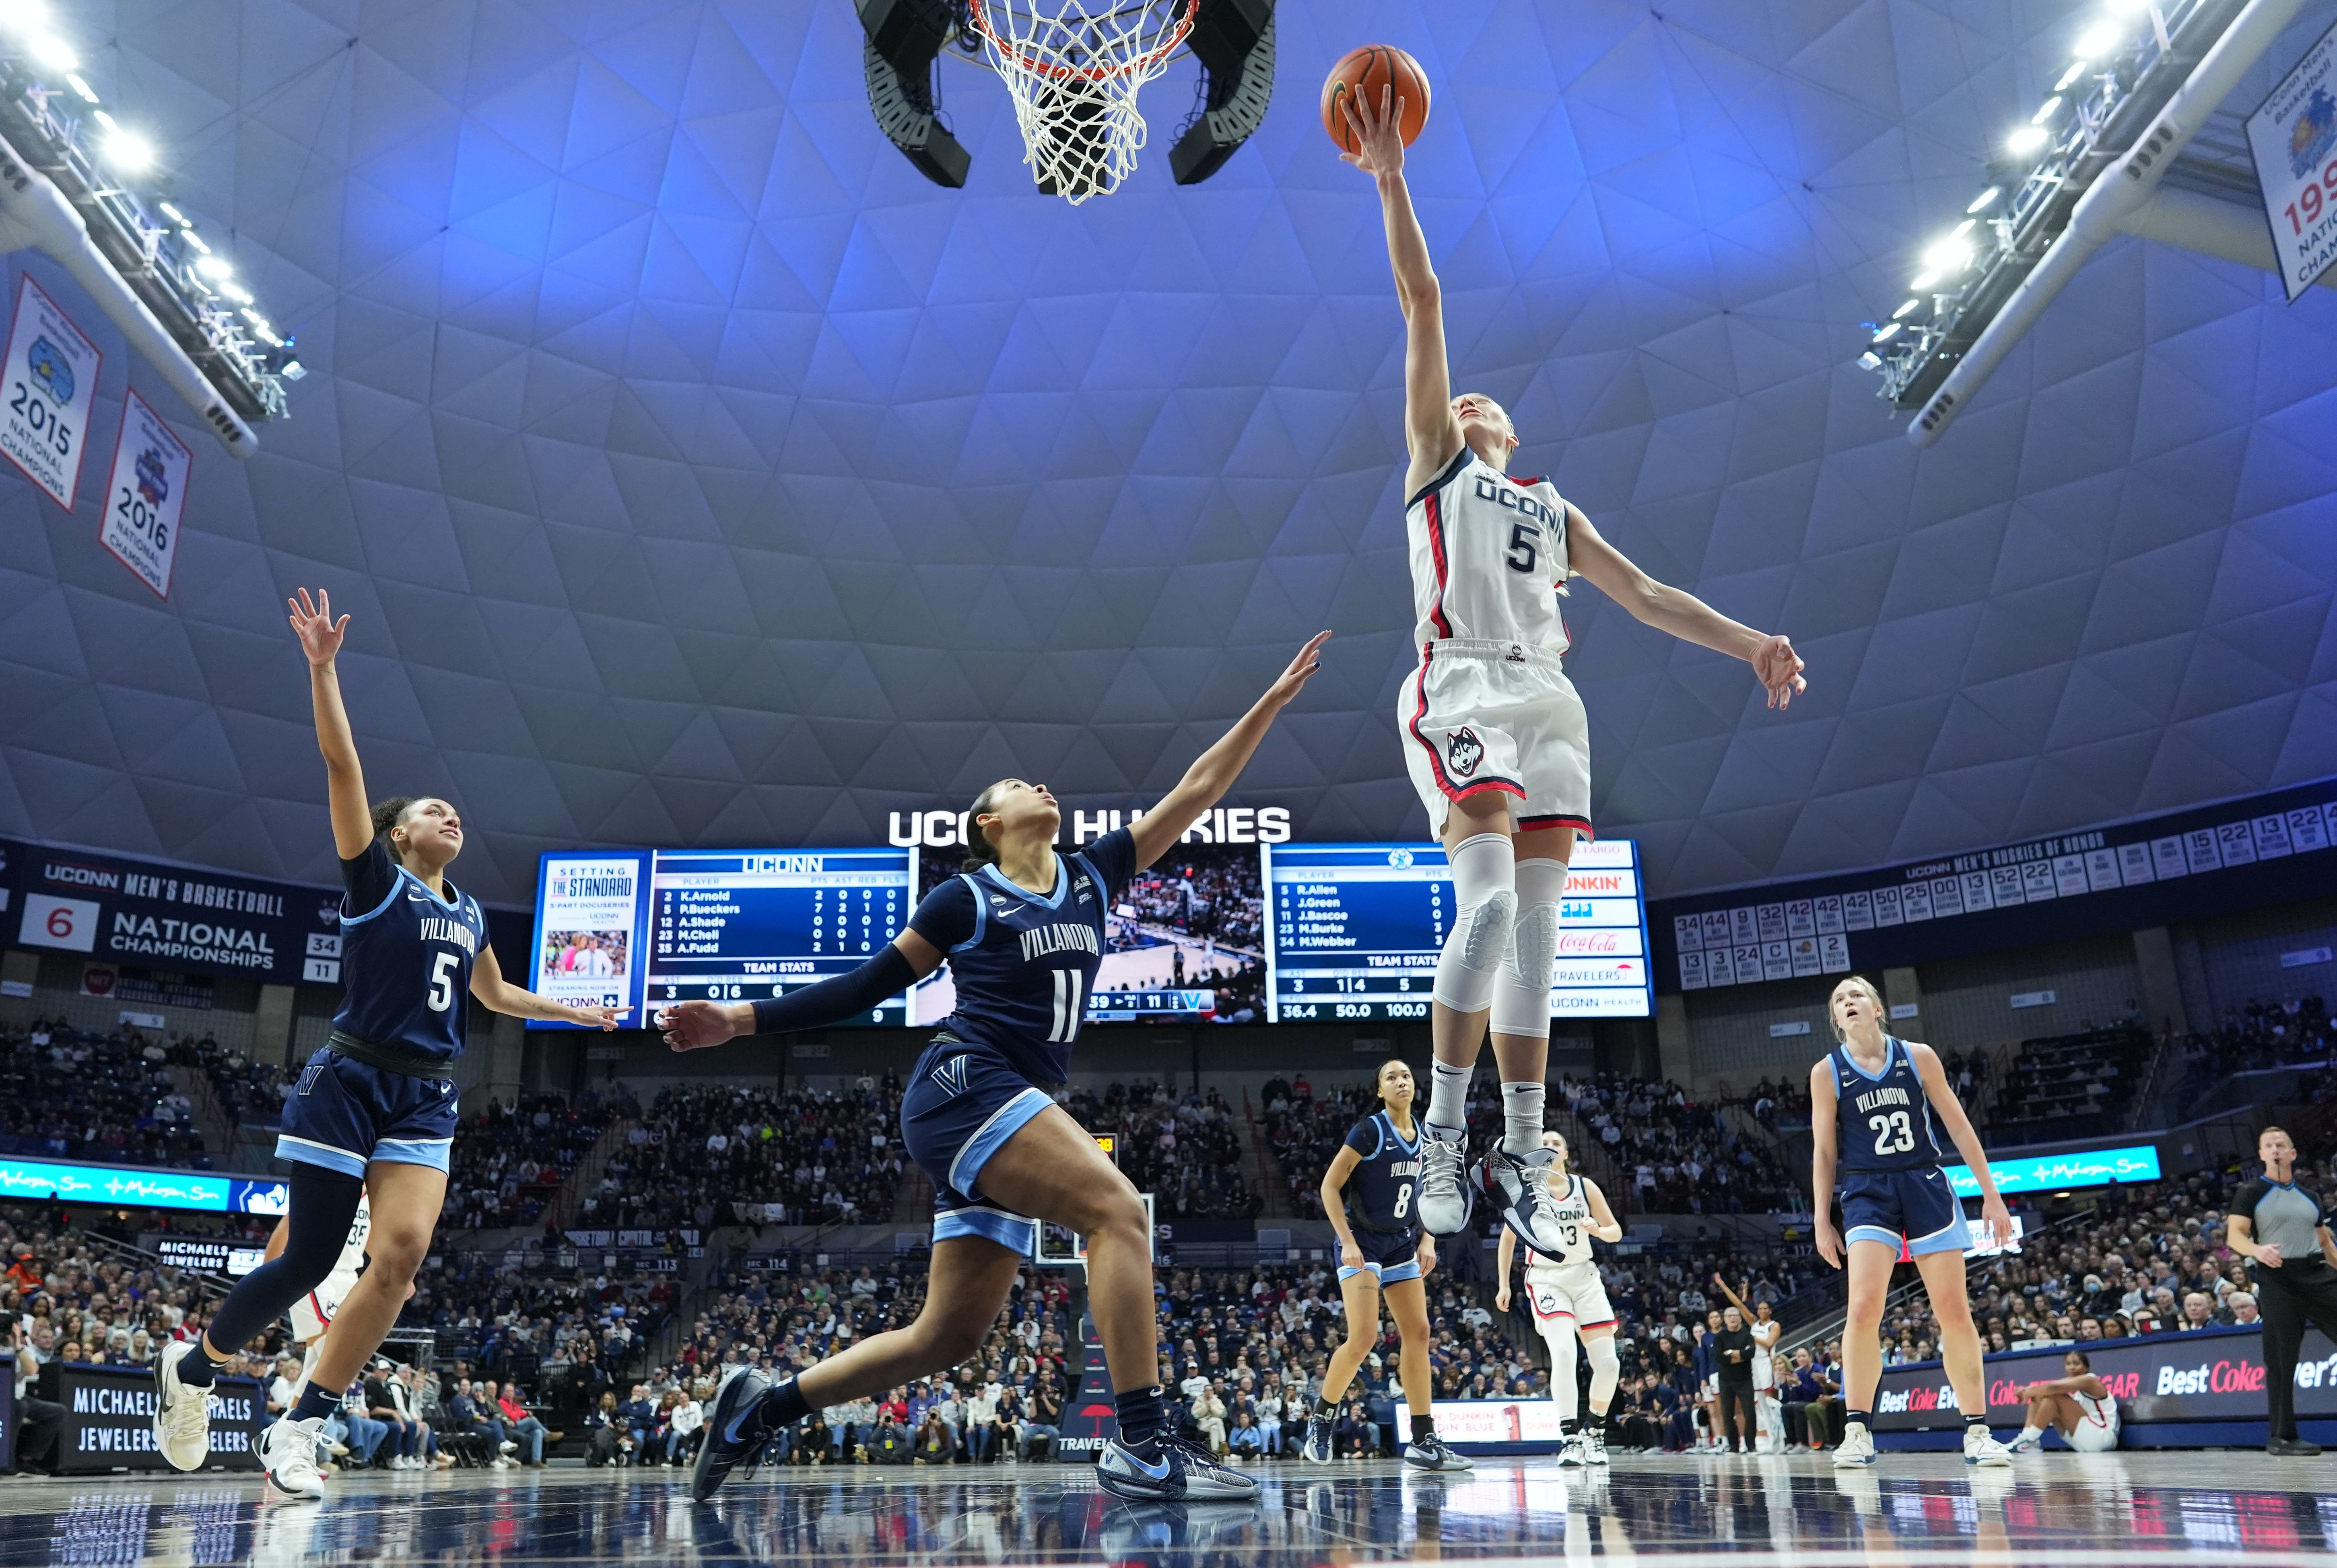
2283	1228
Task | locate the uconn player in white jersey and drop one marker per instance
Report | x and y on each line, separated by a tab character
1568	1301
2080	1405
1492	733
1022	930
373	1115
1876	1106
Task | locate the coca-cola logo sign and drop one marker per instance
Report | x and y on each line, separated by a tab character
2211	1375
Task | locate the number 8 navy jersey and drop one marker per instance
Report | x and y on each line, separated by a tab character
1882	1122
1381	1189
405	961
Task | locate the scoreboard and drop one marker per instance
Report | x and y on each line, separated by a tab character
640	929
1354	930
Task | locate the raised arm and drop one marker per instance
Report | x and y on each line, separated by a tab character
1679	613
1215	770
1993	1211
1431	431
899	965
344	792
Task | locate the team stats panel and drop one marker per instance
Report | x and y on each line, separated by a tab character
742	925
1354	930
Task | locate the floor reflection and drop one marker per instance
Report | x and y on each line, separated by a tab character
1785	1510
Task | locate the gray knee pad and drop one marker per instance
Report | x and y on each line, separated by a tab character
1521	992
1473	952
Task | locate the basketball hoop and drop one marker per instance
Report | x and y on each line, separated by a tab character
1074	68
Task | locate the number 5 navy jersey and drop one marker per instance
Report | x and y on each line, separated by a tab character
1882	1121
1381	1189
405	961
1024	963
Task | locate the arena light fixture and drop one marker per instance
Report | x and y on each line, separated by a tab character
1906	310
67	166
1890	331
212	266
2135	98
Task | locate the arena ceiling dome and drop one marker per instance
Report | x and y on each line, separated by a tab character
698	473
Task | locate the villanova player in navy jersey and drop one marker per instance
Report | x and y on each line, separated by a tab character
1022	930
1370	1194
1876	1107
374	1111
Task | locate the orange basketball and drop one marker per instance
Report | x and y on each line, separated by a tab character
1365	72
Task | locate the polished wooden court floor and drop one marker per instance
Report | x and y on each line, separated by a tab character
2072	1511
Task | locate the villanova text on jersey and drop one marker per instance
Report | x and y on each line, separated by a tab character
1060	939
1882	1121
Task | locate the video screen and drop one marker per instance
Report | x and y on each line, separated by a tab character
1184	942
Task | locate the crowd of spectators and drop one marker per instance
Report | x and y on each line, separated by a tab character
727	1154
1215	897
2251	1038
1184	1149
509	1161
250	1092
1678	1156
545	1313
77	1094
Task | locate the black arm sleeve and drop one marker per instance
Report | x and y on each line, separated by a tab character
837	998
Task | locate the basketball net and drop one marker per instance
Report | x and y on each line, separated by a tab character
1074	68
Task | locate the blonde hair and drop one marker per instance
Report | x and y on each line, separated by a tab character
1882	1009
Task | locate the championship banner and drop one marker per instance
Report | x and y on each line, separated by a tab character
128	913
2294	137
110	1419
2210	1375
46	391
146	495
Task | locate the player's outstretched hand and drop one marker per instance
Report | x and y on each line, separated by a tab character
602	1018
1780	669
1828	1245
1378	137
1302	669
312	622
694	1025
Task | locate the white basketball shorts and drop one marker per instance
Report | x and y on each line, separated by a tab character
1572	1292
314	1312
1478	716
2094	1435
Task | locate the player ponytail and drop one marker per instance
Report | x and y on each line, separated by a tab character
979	850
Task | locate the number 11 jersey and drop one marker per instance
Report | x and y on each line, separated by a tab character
1882	1121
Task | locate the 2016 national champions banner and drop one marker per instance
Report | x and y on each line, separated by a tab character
2209	1375
2245	854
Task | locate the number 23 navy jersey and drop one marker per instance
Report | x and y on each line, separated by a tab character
1882	1121
1024	963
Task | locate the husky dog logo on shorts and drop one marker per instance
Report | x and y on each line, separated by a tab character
1464	751
1517	654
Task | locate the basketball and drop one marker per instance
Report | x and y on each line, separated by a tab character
1364	72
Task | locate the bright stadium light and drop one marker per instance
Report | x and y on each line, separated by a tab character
214	266
2099	39
27	17
1888	333
1906	310
172	213
1986	199
1946	258
2077	69
88	94
130	150
2046	109
2026	141
53	52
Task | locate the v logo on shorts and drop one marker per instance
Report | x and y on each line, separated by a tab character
951	1075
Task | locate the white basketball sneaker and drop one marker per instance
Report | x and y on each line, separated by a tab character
183	1416
288	1452
1857	1448
1575	1450
1980	1447
1444	1199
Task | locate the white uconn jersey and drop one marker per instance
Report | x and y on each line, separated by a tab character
1570	1208
1488	557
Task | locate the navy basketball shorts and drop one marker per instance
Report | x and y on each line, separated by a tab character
1391	1257
343	1115
1918	1207
962	1103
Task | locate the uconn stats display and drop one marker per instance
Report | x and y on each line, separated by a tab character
639	928
1355	929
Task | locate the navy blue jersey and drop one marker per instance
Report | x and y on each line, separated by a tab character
1881	1122
1024	965
1380	1189
406	957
